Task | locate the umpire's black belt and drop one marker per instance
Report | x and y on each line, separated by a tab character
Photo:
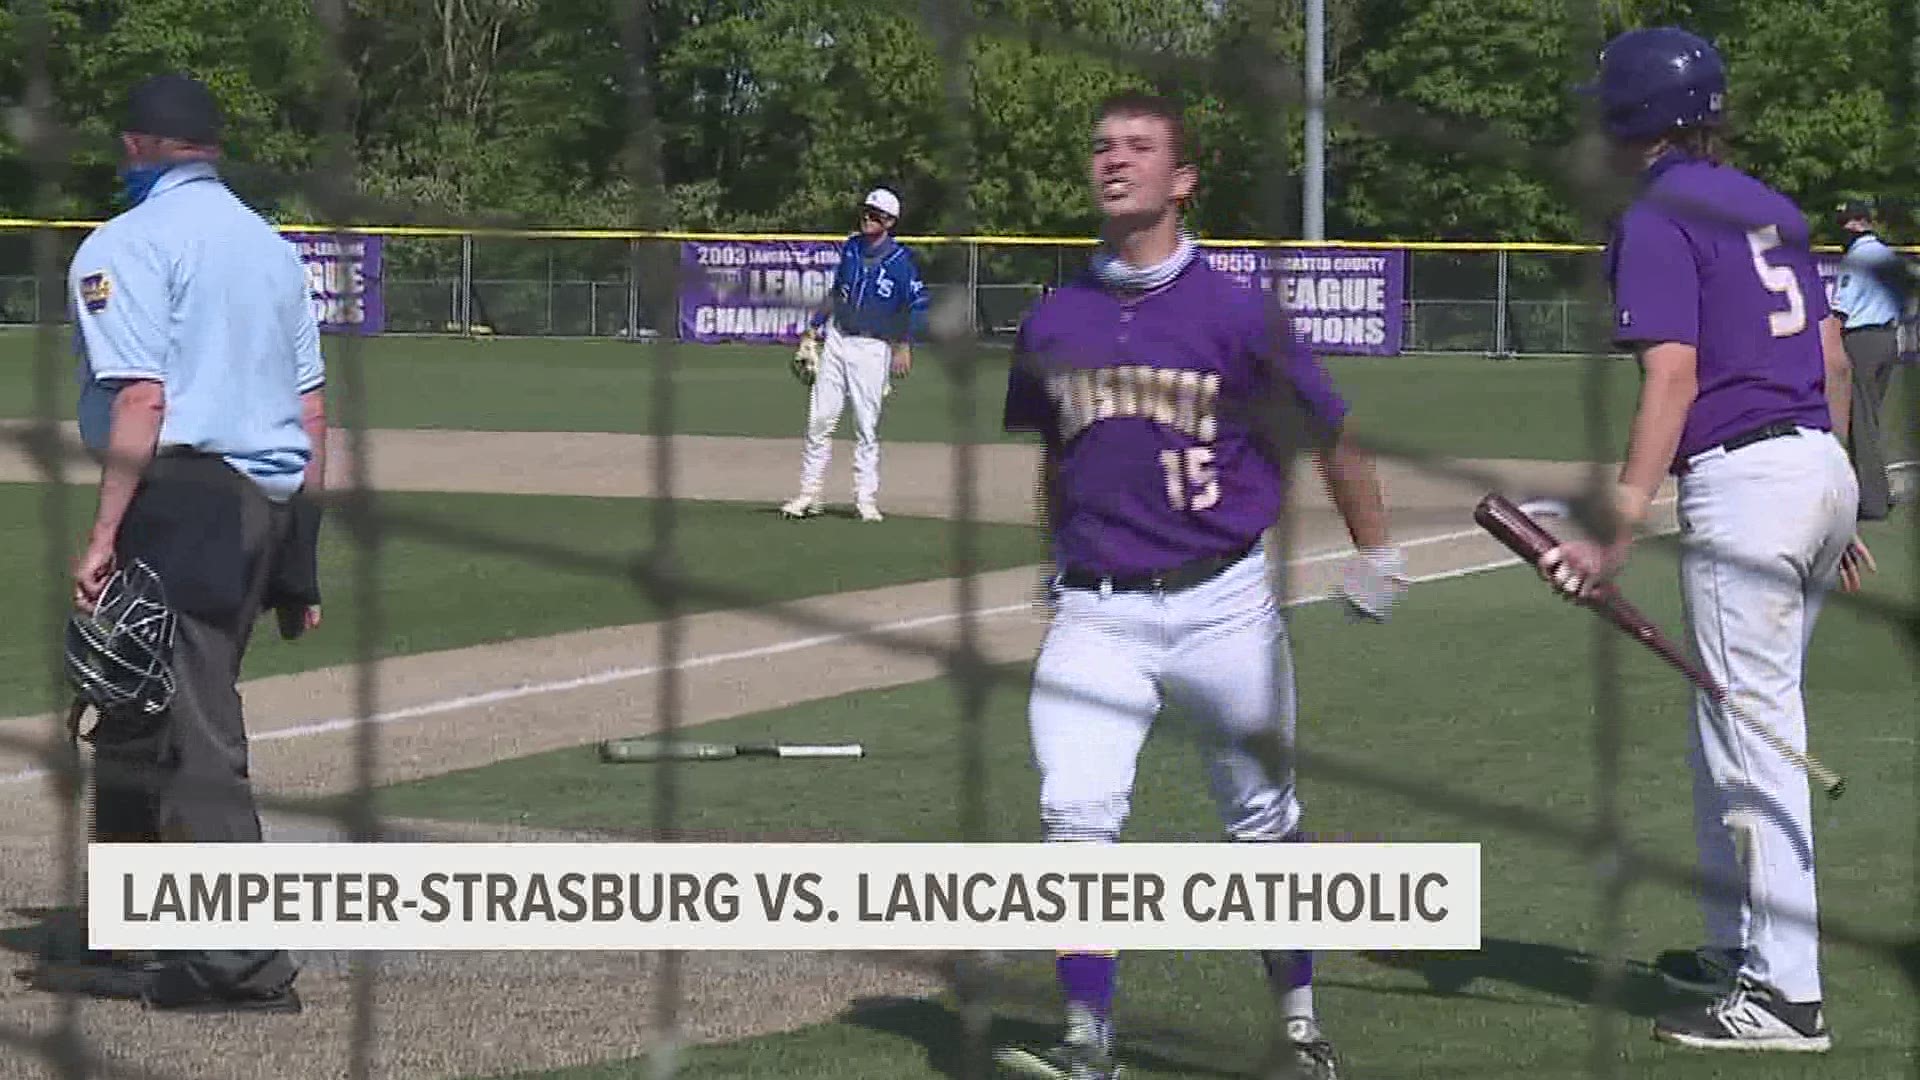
1184	576
1777	430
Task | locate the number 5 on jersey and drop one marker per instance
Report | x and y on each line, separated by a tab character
1192	482
1778	279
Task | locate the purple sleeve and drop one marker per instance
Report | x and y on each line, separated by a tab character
1027	407
1656	282
1293	372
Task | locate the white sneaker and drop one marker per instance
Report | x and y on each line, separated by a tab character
801	506
870	512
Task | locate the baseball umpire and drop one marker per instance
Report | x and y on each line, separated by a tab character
1744	397
863	338
1869	297
202	393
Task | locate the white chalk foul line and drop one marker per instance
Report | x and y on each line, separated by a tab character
758	652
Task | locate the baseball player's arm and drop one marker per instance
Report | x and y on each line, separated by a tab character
1353	483
1669	383
817	320
1028	410
1668	386
914	319
1858	559
1839	377
1376	575
1046	490
1657	313
1301	402
1310	402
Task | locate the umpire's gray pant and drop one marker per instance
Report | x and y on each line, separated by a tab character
184	778
1874	353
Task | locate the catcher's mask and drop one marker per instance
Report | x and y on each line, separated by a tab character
119	658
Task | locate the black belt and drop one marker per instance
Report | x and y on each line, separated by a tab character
1778	430
1875	326
1184	576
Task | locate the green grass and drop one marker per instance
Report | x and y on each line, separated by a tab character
1458	406
1501	717
556	572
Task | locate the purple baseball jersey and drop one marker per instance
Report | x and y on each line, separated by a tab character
1151	409
1710	257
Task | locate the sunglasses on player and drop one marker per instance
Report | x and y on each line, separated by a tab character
868	213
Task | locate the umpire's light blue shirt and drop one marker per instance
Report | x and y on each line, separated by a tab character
1862	291
193	290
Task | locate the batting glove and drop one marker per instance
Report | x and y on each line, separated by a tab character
1373	580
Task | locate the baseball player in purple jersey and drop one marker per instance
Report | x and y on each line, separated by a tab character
1168	397
1744	397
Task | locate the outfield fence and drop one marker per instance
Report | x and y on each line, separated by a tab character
1493	299
1500	299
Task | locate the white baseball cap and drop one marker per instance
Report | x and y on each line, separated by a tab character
884	201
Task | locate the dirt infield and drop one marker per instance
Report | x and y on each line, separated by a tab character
444	711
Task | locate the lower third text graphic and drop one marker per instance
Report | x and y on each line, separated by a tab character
779	896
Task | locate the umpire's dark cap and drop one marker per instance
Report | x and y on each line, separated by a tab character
1854	210
174	106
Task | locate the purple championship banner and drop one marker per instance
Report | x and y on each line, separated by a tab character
343	277
1343	300
752	290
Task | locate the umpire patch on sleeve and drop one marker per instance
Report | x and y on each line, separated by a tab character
95	289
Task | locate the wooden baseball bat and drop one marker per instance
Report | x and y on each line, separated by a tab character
1525	537
623	751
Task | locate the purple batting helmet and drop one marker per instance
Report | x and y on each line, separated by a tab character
1658	80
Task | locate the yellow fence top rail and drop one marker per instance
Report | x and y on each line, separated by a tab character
492	232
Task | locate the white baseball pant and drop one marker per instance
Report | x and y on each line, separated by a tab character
1763	529
856	368
1219	650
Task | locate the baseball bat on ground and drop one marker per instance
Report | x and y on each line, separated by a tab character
620	751
1524	536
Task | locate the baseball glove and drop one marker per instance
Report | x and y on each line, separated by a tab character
806	358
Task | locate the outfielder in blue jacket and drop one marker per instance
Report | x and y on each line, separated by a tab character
866	330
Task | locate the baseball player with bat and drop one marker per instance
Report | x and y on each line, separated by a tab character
1170	401
1744	398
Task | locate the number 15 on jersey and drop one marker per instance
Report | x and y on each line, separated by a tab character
1193	484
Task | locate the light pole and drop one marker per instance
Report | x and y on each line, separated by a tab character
1313	196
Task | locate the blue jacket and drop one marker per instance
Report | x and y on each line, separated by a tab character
878	295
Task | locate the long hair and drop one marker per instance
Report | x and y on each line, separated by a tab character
1707	144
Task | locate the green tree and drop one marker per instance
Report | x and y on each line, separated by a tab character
262	58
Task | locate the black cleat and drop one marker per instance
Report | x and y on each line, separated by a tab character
1748	1017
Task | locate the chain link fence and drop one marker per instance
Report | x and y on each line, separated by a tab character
1489	302
1473	299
